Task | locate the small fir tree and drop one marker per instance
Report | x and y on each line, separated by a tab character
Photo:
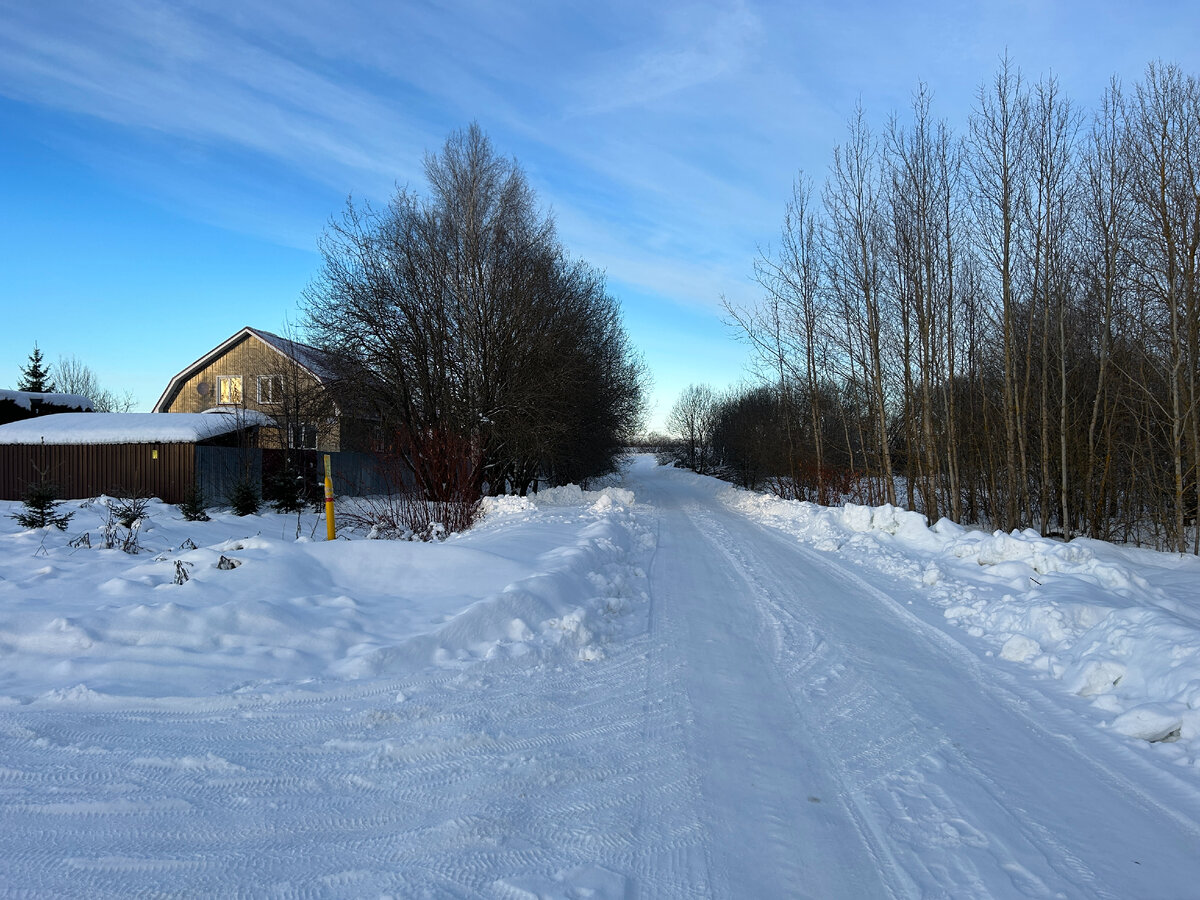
285	490
35	377
41	508
192	506
244	498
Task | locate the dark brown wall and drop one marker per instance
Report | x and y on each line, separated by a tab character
11	411
88	470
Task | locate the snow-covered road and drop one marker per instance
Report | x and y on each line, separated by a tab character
726	713
849	749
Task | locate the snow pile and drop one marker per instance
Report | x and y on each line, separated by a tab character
255	604
1117	626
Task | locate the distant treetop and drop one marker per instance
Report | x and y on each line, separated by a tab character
35	377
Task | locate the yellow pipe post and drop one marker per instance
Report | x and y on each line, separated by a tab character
330	531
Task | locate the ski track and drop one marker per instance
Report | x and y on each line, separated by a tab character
769	722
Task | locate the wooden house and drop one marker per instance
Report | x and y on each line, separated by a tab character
285	380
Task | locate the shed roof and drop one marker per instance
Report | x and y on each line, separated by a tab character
128	428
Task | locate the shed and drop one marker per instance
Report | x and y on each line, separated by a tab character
145	454
17	405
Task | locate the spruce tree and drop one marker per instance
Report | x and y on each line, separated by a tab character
192	506
35	377
41	507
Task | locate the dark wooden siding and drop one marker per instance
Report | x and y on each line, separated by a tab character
81	471
88	470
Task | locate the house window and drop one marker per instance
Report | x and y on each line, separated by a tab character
270	388
229	390
302	437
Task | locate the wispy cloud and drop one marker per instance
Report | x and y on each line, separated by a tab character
155	66
690	46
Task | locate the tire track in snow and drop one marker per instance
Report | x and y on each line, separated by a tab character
1107	756
481	782
879	743
841	716
680	864
756	764
933	814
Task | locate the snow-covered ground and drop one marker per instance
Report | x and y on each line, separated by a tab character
1118	626
665	689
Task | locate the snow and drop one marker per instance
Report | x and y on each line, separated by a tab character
312	359
128	428
26	399
667	687
1119	626
292	608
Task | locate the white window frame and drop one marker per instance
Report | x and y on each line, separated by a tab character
305	430
274	388
229	390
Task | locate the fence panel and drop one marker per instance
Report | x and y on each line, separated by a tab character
361	474
219	469
80	471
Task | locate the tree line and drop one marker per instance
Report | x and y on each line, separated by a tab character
70	375
1000	325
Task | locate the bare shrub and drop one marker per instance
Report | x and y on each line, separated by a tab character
408	511
122	537
408	515
823	485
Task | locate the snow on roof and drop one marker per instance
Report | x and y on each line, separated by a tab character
315	361
26	399
311	358
128	428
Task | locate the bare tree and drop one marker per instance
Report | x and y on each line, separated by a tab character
999	164
691	419
1104	224
923	199
460	314
1011	322
854	241
73	376
787	329
1165	145
1054	125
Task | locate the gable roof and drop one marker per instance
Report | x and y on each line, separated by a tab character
311	359
128	428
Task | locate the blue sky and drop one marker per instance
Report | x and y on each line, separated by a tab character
167	167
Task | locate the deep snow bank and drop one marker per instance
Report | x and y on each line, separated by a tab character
1118	626
536	579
